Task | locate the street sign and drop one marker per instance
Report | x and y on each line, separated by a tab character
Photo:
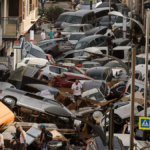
144	123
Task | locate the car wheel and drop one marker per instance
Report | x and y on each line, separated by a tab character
44	78
117	119
9	101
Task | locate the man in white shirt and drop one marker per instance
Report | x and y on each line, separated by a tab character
23	144
1	142
77	91
10	61
43	36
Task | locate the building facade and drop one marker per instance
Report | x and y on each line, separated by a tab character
17	17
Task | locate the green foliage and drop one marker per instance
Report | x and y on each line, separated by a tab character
51	13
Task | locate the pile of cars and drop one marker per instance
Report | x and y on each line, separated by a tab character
41	84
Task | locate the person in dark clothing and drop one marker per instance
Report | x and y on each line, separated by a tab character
43	138
142	44
17	135
109	44
43	3
134	39
58	34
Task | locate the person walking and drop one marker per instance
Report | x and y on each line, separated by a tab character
43	138
51	34
58	34
134	40
77	91
1	142
17	135
10	61
142	44
109	45
43	36
23	144
43	3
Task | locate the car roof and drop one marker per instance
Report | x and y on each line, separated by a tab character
35	47
95	50
78	25
77	75
122	47
98	68
65	13
101	9
90	63
92	37
143	55
119	40
80	12
82	33
95	30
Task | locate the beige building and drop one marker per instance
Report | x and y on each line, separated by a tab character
17	17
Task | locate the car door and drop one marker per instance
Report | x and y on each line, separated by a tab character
31	101
92	43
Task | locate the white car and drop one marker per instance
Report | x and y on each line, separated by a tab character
50	71
122	113
33	62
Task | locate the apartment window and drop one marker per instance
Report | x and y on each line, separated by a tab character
13	8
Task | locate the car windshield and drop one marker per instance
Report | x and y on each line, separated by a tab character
40	43
140	60
91	65
74	19
71	29
52	102
75	36
120	20
85	2
83	36
121	6
81	45
106	19
37	53
62	17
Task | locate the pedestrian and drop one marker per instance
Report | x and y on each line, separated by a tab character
23	143
142	44
109	44
10	61
58	34
125	127
129	53
51	34
42	3
43	36
43	138
77	91
134	40
1	142
17	135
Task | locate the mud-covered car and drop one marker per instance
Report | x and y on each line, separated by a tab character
88	65
121	114
101	85
16	98
100	73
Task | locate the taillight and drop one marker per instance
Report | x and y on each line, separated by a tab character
79	65
41	70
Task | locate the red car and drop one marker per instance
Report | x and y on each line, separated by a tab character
66	79
71	69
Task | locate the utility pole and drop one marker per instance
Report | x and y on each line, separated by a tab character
132	98
91	3
109	24
131	6
146	66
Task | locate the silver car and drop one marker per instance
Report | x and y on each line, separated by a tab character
14	97
50	71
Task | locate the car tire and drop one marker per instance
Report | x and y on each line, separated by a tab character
44	78
9	101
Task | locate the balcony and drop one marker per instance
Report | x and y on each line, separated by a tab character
10	27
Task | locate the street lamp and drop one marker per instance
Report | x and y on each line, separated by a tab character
116	13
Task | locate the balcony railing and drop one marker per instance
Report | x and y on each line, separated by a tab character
32	7
10	27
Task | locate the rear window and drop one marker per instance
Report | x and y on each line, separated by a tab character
140	60
37	53
75	36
